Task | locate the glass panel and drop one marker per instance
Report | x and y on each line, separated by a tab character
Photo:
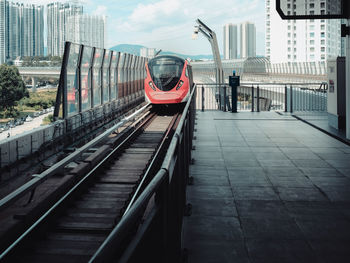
121	71
133	73
105	71
120	67
114	76
72	80
97	76
85	78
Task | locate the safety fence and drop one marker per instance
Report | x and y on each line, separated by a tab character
91	77
96	87
262	66
291	97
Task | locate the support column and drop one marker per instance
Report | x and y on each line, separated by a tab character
34	84
347	89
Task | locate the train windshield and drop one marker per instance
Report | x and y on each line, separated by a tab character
166	72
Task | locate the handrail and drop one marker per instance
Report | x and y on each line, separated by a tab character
120	231
265	83
39	178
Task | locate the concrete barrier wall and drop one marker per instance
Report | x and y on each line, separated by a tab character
20	146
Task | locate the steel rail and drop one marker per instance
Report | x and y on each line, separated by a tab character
121	230
67	195
39	178
156	156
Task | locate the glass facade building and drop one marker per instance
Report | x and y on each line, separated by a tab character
308	40
248	40
2	31
230	41
67	22
21	30
86	29
57	16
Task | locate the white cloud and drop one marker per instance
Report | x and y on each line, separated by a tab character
149	15
101	10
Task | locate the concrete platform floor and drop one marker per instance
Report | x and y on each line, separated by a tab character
267	188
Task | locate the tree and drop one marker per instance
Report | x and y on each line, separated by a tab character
12	88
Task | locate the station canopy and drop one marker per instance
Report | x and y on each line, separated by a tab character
314	9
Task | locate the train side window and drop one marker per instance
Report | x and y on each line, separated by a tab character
186	72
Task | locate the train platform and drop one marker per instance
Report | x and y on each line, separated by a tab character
267	188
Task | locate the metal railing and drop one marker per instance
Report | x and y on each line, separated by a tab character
158	238
288	97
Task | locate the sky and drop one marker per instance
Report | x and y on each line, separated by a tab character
168	24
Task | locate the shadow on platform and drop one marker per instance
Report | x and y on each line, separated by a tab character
267	188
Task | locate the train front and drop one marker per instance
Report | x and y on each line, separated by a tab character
167	80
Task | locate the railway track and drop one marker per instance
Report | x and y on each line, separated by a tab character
74	227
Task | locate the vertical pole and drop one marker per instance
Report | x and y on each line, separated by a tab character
291	99
347	89
252	98
62	87
257	99
224	88
102	77
109	76
92	79
202	98
79	78
64	94
234	98
219	98
285	99
34	84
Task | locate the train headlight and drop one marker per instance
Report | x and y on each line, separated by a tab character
180	85
151	85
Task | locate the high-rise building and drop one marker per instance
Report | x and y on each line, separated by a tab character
147	52
301	40
247	40
21	30
57	19
230	41
2	31
86	29
67	22
31	30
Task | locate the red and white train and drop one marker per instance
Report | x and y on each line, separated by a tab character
169	80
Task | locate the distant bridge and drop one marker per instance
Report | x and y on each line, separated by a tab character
40	71
37	72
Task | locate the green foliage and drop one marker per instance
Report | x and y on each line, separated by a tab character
48	119
39	100
10	113
12	88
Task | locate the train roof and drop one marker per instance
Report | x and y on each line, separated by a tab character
168	56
